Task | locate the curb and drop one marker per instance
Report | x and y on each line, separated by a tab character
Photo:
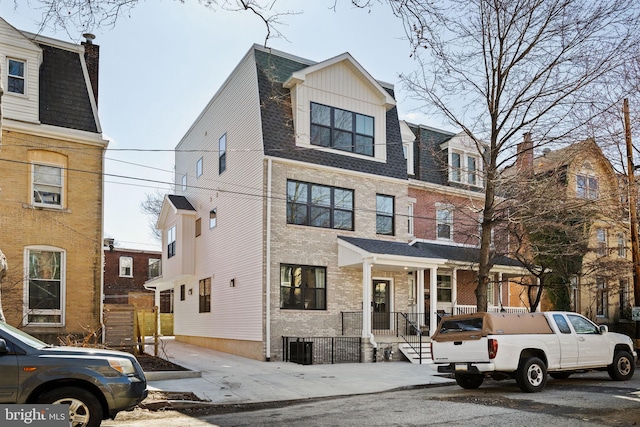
171	375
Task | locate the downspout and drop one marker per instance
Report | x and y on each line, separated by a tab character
101	305
268	266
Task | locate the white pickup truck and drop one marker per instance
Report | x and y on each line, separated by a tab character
528	347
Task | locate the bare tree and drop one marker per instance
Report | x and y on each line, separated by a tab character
500	68
86	15
151	207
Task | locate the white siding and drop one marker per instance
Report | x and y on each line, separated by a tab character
14	45
233	249
340	86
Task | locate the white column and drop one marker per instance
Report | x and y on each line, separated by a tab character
454	290
420	296
366	297
156	302
433	289
500	290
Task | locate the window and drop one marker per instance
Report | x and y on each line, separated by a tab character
443	284
204	296
182	292
213	218
303	287
46	285
491	293
466	173
456	165
563	326
601	237
341	129
410	219
625	299
384	215
587	183
47	185
171	242
16	76
222	154
184	182
407	149
471	170
602	301
622	247
199	168
582	325
155	269
198	227
126	266
444	222
319	206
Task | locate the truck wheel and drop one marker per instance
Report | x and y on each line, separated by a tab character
560	375
622	367
469	381
531	375
84	408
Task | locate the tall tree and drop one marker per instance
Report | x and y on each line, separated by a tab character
500	68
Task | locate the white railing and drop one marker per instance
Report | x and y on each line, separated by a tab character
468	309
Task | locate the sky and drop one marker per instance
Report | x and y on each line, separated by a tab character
162	62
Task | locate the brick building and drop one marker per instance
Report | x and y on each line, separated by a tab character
126	271
51	175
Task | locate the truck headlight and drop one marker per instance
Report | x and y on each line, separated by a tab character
124	366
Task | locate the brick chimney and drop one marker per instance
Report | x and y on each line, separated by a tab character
524	158
92	59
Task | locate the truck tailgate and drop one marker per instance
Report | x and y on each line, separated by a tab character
463	350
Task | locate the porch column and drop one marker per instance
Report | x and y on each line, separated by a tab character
454	291
500	290
420	296
366	297
433	289
156	298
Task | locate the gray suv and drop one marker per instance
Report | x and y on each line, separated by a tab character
95	383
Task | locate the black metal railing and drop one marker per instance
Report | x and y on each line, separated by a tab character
322	350
413	335
390	323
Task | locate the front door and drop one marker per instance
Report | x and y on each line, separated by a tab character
381	315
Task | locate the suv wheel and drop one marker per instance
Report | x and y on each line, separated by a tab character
84	408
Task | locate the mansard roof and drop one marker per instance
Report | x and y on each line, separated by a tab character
274	69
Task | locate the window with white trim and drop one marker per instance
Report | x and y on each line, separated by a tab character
341	129
601	238
444	222
443	288
184	182
222	154
171	242
155	268
199	168
126	266
622	245
410	220
213	218
16	82
464	168
45	285
47	185
587	185
407	149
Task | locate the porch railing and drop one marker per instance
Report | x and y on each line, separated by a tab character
469	309
390	323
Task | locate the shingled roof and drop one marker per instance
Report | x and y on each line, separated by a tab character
64	94
277	122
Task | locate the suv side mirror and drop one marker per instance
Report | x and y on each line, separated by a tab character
3	347
603	329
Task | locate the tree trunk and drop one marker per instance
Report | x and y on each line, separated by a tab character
3	273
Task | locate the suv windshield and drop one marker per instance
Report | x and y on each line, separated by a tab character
23	336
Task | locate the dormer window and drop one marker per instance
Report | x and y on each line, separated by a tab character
464	168
16	76
587	183
341	129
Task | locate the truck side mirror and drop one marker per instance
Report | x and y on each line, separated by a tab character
603	329
3	347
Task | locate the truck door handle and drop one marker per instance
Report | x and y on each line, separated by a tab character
457	343
580	338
